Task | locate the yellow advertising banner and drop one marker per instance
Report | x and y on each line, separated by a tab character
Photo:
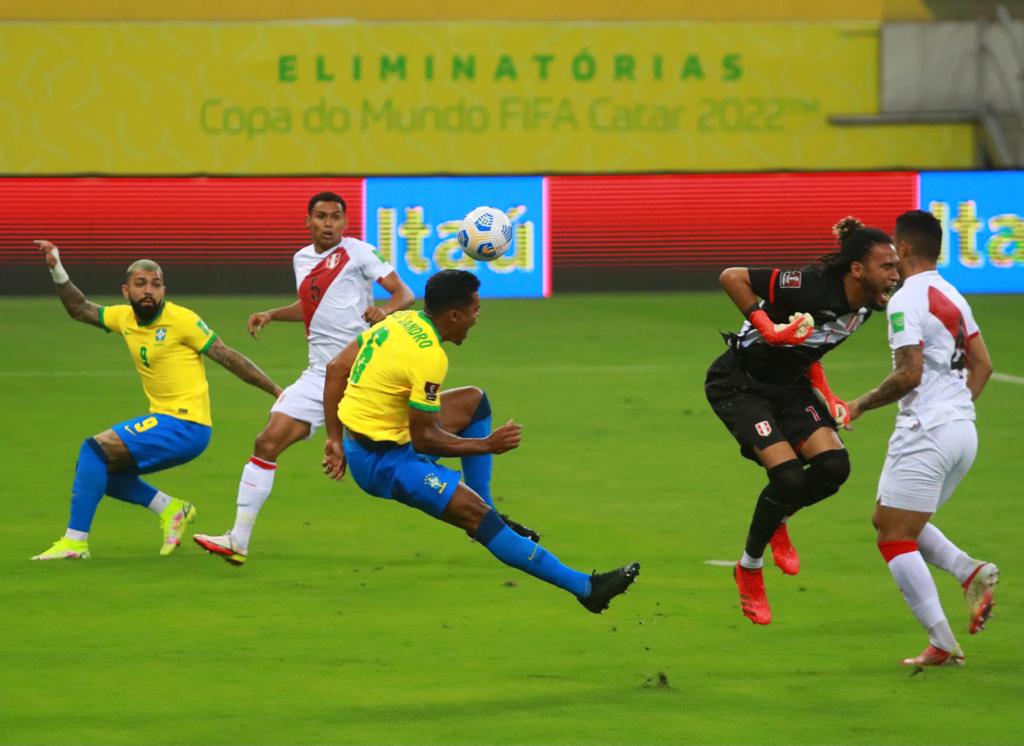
383	98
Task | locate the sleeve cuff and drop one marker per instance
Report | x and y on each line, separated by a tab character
425	407
210	341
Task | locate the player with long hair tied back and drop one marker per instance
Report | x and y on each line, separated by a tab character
770	390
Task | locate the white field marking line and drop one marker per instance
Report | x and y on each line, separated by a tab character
720	563
1007	378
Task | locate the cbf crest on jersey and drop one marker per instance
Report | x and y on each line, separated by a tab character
161	334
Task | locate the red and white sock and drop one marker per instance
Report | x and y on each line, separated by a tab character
944	554
911	574
253	490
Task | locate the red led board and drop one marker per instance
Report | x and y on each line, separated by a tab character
175	221
706	221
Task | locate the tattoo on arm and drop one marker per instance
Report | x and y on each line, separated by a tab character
905	377
77	305
237	363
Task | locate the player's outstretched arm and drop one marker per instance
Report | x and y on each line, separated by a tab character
260	319
979	366
430	438
402	298
241	366
905	377
75	303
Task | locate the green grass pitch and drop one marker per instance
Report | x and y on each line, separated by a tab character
361	621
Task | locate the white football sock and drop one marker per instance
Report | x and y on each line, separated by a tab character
253	490
76	535
911	574
944	554
751	563
160	501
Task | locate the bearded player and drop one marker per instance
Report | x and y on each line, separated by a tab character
166	343
770	390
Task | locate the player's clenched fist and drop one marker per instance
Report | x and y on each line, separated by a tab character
796	331
506	437
373	314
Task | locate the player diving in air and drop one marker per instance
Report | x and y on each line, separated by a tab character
770	390
166	343
388	421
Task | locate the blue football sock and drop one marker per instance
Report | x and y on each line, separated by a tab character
519	552
476	470
87	490
130	489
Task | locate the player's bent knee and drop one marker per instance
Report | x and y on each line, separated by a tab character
788	483
827	473
111	449
466	510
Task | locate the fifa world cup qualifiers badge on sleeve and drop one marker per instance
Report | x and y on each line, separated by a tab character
790	279
898	323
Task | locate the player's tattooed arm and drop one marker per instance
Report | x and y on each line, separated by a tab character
905	377
241	366
75	303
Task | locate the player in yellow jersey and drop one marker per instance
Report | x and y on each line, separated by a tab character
388	421
166	342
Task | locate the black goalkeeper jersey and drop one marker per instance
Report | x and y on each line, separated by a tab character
783	293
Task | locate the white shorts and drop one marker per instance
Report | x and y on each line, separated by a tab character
304	400
923	467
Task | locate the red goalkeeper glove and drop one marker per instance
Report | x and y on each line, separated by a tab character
796	331
836	407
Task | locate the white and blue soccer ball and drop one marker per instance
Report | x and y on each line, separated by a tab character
485	233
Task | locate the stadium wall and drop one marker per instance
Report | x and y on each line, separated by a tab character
572	233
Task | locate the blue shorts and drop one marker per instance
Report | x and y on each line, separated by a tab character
160	441
402	474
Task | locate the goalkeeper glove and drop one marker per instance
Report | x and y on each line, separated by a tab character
796	331
837	408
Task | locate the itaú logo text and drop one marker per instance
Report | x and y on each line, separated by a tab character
410	240
975	241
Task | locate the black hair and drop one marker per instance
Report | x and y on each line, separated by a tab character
922	231
325	197
855	243
448	289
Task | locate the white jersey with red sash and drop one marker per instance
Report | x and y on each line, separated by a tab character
335	287
930	312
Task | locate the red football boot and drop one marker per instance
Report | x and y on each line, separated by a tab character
978	590
933	656
783	552
753	599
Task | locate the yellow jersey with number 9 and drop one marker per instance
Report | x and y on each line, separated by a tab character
167	353
400	365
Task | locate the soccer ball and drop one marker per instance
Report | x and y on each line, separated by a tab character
485	234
